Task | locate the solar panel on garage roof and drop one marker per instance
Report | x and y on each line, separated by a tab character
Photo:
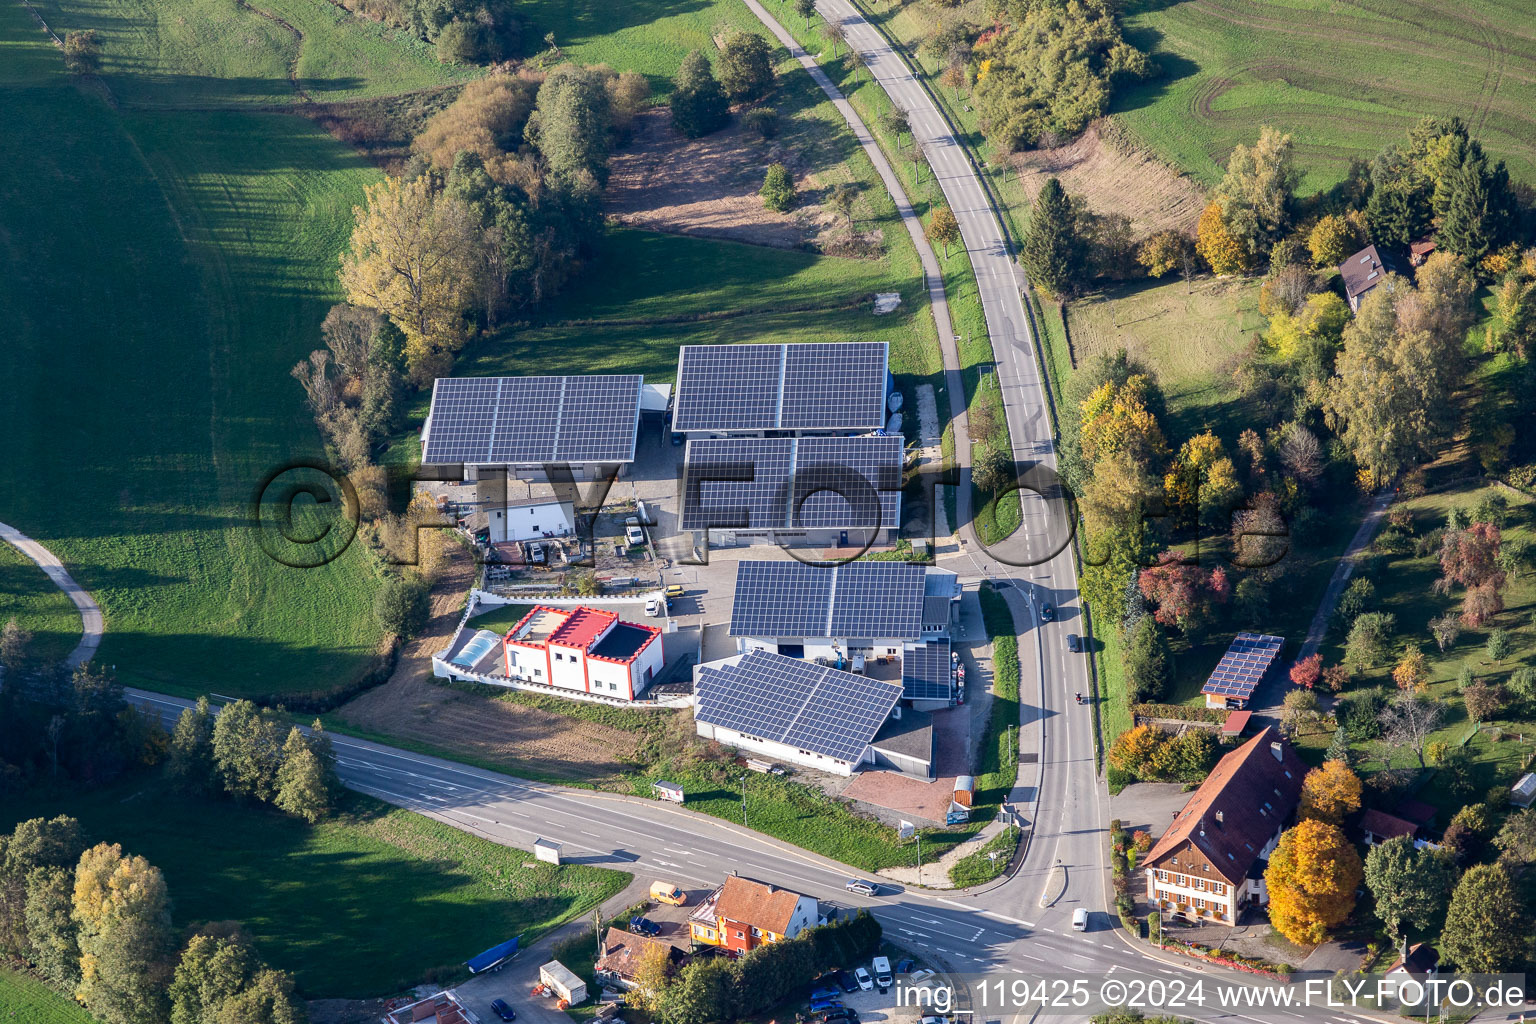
519	420
926	672
810	707
790	483
1242	668
864	600
812	386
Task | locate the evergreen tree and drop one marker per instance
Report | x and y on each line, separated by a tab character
699	104
1052	253
191	754
303	789
746	67
778	189
1479	216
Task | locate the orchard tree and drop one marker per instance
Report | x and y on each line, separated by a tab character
1409	719
1330	793
1488	925
805	8
746	67
778	189
841	201
1369	639
896	122
1312	878
1411	887
1300	712
699	104
1412	670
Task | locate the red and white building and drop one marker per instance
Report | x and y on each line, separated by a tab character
588	650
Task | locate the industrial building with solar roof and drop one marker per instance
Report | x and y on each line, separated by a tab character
807	714
784	390
873	617
817	491
524	424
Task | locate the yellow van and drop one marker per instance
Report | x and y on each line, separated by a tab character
666	892
674	590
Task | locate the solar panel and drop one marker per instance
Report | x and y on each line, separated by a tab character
787	483
810	707
864	600
1243	667
813	386
520	420
926	671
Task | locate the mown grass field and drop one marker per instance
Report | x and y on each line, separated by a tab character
30	597
167	270
24	998
366	904
1345	79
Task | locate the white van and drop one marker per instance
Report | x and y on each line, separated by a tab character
882	968
1080	920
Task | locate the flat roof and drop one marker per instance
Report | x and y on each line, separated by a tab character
911	735
623	641
792	483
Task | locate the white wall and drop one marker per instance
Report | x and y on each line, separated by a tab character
530	522
775	750
610	679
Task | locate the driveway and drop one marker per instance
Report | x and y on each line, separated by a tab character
90	611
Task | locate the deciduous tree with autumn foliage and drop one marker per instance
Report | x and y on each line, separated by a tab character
1312	878
1184	595
1469	558
1330	793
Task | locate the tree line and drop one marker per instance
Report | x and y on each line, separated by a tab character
95	923
717	988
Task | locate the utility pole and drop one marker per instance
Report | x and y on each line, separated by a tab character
597	931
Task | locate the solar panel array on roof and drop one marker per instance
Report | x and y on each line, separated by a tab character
812	386
865	600
788	483
926	671
810	707
523	420
1243	666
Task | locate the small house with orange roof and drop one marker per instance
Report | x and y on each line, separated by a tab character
587	650
743	914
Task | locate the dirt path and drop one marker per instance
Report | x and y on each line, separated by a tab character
90	611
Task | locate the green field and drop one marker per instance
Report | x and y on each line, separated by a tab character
24	998
367	904
1345	79
30	597
167	270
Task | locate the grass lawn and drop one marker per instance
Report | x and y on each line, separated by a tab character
24	998
1190	336
1344	79
170	267
30	597
1404	587
500	618
366	904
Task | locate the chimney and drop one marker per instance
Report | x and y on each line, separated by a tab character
896	712
1274	748
1219	818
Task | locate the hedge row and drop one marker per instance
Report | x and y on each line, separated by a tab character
1180	712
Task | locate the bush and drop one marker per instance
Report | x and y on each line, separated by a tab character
763	120
401	605
746	66
778	189
698	102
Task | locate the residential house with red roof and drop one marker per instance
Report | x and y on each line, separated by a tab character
1209	865
590	650
743	914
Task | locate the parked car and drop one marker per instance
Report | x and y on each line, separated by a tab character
842	979
674	590
634	535
823	1005
668	892
502	1010
861	887
1047	613
905	966
826	995
653	607
1073	643
644	926
933	1020
862	977
840	1014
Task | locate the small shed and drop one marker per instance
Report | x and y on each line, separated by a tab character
1523	792
546	850
1379	826
1236	722
965	790
560	979
667	791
